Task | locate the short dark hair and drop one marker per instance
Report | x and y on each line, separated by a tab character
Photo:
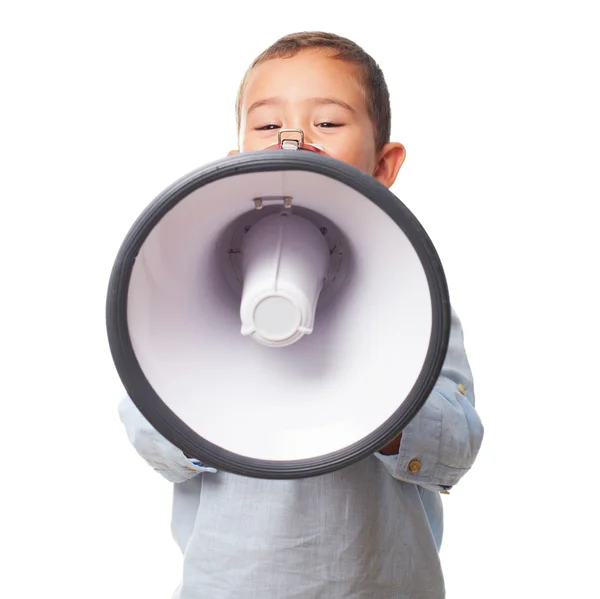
377	93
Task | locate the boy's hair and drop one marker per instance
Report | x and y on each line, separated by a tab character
376	90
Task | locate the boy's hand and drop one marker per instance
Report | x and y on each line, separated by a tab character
393	447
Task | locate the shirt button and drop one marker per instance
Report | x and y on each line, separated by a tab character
414	466
462	389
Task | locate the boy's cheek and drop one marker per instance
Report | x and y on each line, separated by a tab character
353	156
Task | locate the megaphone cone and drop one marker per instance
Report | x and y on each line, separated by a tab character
278	314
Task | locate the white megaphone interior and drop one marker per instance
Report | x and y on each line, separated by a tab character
326	391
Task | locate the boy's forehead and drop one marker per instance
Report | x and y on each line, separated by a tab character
311	72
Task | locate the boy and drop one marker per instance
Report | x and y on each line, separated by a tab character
369	531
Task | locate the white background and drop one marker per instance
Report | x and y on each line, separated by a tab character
104	104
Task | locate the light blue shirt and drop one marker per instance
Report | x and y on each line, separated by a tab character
372	530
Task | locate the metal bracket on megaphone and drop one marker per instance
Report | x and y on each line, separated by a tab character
295	144
290	144
260	202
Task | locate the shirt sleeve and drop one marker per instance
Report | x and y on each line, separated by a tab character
442	441
158	452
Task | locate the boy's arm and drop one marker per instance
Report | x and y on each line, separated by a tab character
442	441
157	451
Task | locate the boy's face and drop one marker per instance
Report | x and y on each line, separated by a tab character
324	98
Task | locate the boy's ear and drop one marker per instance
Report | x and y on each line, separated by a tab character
391	157
232	152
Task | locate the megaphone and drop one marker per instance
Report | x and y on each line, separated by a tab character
278	313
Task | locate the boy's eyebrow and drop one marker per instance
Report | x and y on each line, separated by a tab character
265	102
335	101
323	101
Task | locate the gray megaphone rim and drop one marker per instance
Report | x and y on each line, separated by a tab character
173	428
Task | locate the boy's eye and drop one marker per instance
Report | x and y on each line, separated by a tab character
268	127
323	125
